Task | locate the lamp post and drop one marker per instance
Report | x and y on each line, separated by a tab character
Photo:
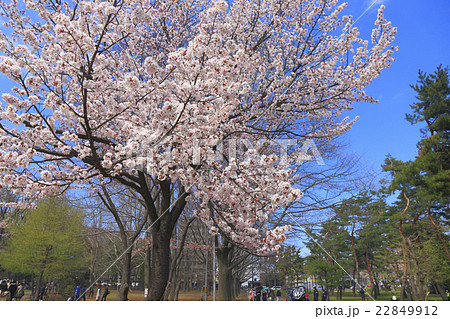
214	269
206	267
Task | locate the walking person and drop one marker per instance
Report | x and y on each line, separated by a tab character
316	294
264	295
91	292
12	289
4	292
83	293
324	295
99	293
271	295
77	292
42	292
19	292
258	295
251	295
55	288
278	295
106	293
362	293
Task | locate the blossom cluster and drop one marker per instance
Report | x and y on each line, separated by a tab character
99	83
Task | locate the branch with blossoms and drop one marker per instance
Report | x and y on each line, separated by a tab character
121	91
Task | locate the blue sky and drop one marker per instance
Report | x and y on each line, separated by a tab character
423	38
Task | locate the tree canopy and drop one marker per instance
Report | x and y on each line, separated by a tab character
49	242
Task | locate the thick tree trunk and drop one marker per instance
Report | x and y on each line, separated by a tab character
408	291
377	286
237	288
126	275
441	291
413	286
233	287
403	289
37	291
420	288
160	266
163	224
224	292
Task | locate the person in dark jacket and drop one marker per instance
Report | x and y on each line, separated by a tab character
105	293
42	292
278	295
362	293
264	295
83	293
91	291
12	289
4	292
4	285
258	295
324	295
316	294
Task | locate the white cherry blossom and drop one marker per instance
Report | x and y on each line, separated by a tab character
116	90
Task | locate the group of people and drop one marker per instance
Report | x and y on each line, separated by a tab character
300	294
264	294
297	294
48	288
11	290
324	294
80	293
45	289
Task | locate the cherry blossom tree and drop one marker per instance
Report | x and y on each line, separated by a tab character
146	92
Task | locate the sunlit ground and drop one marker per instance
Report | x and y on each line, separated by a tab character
196	295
